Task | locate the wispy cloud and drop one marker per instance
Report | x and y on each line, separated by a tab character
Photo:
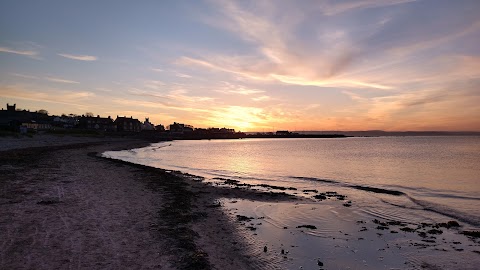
336	7
280	57
60	80
154	84
261	98
172	96
27	92
78	57
47	78
24	76
29	53
103	89
229	88
181	75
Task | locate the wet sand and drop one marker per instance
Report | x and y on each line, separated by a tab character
63	206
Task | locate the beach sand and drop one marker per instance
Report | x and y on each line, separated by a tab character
62	207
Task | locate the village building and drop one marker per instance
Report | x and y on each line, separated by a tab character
147	125
126	124
13	119
97	123
178	128
282	133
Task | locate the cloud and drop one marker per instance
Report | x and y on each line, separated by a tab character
280	56
59	80
103	89
51	79
229	88
156	104
336	7
76	98
261	98
157	69
153	84
24	76
181	75
78	57
29	53
174	97
443	108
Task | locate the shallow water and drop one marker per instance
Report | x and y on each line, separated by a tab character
437	174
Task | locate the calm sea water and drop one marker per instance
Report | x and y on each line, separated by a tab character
438	174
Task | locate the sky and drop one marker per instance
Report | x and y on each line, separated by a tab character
393	65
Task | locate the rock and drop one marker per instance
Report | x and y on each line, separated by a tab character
474	234
308	227
452	223
319	263
243	218
320	197
407	229
283	251
265	249
435	231
395	223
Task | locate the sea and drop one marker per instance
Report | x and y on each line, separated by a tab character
416	180
439	173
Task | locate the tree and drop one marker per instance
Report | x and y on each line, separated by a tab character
42	111
89	114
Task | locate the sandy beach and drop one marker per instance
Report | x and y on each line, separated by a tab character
64	207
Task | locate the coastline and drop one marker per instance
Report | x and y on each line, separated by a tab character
66	206
340	228
63	206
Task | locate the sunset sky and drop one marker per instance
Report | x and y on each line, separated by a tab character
248	65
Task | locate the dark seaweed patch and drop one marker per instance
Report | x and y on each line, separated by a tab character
312	227
379	190
474	234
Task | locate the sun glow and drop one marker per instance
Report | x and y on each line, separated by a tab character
239	118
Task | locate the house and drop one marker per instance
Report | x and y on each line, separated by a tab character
13	118
180	128
65	121
147	125
128	124
97	123
282	133
36	126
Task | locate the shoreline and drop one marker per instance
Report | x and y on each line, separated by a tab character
59	200
339	234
